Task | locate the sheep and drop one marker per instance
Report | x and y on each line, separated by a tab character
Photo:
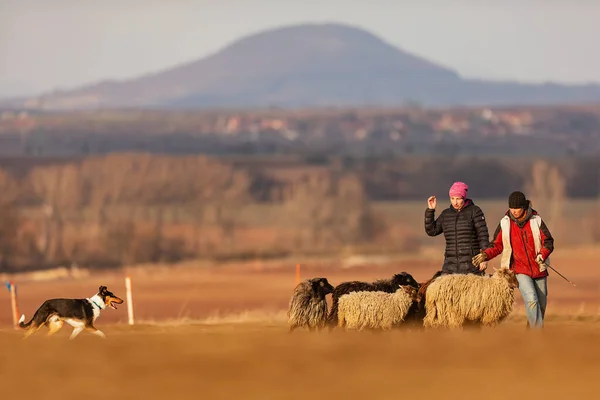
422	292
455	299
308	306
382	285
375	310
417	311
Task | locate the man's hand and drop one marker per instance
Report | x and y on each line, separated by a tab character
483	266
479	258
432	202
540	260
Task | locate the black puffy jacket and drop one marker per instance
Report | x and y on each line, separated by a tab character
466	233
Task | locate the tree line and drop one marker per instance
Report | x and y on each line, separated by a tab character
106	211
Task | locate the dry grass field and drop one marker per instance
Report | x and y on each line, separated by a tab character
252	361
220	332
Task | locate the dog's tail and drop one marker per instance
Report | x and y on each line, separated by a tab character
22	323
39	318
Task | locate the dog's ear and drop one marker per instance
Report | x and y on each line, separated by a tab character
101	289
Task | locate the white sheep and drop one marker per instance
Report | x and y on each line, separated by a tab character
375	310
456	298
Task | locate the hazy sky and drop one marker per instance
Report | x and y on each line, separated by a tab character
50	44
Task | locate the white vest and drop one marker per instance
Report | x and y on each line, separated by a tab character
534	222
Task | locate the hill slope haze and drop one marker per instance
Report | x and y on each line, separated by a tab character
310	65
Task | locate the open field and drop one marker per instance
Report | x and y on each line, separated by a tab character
196	291
220	332
261	361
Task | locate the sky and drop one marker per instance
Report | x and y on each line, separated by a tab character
63	44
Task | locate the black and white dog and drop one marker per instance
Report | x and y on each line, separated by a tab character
79	313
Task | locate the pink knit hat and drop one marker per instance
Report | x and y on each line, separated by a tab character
459	189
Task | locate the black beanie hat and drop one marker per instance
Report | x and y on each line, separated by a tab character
517	200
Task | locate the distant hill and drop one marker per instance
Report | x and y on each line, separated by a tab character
306	66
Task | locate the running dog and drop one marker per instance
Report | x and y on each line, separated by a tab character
79	313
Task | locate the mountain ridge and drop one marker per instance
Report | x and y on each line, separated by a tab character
308	65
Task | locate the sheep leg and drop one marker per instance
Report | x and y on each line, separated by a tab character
488	322
429	321
333	316
341	321
448	317
455	321
475	325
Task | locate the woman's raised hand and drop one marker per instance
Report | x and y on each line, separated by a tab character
432	202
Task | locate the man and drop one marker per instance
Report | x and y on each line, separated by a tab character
525	243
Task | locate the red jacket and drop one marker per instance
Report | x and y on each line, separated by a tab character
523	246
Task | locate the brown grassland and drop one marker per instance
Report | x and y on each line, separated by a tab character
220	332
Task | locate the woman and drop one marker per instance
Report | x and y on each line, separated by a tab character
464	228
525	243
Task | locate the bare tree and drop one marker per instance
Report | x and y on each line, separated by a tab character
219	203
329	210
546	188
9	226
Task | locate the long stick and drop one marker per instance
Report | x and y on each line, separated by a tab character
561	275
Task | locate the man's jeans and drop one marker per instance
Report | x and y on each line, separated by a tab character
535	293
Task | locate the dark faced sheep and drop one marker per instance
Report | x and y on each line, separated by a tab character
381	285
416	314
308	306
422	295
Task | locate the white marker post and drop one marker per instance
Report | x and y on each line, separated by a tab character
129	299
14	304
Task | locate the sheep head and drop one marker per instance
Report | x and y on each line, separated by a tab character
508	275
404	279
423	286
411	291
320	287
